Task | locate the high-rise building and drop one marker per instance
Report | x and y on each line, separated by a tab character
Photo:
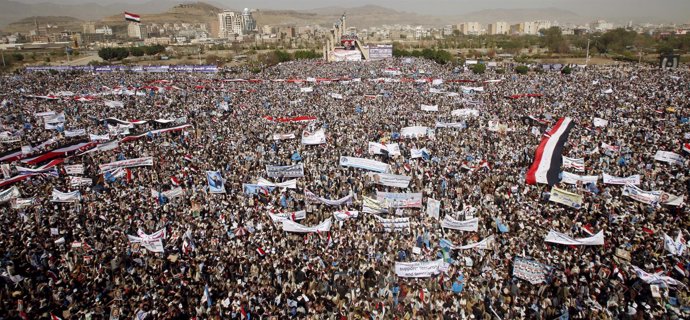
136	30
500	27
89	27
233	23
471	28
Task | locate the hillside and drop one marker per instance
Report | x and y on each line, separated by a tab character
198	12
520	15
361	17
59	23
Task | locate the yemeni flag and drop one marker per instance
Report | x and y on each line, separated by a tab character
549	158
132	17
260	251
686	148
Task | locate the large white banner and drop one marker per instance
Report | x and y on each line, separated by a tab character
306	89
395	224
95	137
129	163
562	238
571	178
390	180
290	184
420	269
313	138
563	197
74	169
345	215
283	136
656	278
58	196
429	108
675	247
292	216
170	194
634	179
433	207
311	197
651	197
416	132
373	206
76	182
291	171
74	133
485	244
113	104
670	157
465	113
55	118
9	194
575	164
291	226
453	125
400	200
392	149
366	164
153	245
471	225
418	153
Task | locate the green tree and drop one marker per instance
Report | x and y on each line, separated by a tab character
522	69
136	51
553	40
478	68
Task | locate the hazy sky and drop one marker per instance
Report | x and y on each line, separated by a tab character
676	10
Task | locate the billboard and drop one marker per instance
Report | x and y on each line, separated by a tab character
346	55
669	61
380	52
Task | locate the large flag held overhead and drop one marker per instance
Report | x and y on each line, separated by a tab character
561	238
548	158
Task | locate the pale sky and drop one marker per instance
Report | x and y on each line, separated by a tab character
675	10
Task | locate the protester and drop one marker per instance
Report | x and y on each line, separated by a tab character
185	227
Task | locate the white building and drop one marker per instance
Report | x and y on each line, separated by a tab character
233	23
448	30
135	30
601	25
105	30
500	27
470	28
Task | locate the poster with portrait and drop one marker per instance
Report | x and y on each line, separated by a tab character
216	184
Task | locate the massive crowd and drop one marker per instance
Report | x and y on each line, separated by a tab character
224	257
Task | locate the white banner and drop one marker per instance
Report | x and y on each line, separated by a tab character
153	245
566	198
312	138
170	194
292	216
471	225
9	194
454	125
562	238
44	114
571	178
496	126
400	200
129	163
421	269
465	113
9	138
345	215
76	182
74	133
656	278
337	96
55	118
58	196
651	197
670	157
675	247
415	132
366	164
373	206
74	169
634	180
291	171
306	90
113	104
19	203
429	108
313	198
393	149
290	184
395	224
390	180
471	89
575	164
291	226
598	122
112	145
283	136
433	208
95	137
485	244
418	153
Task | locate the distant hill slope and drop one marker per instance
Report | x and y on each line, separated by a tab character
360	17
59	22
520	15
198	12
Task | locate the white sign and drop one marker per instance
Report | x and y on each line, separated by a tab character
421	269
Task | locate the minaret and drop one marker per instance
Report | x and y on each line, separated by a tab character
342	20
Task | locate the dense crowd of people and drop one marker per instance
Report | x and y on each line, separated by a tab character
225	257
